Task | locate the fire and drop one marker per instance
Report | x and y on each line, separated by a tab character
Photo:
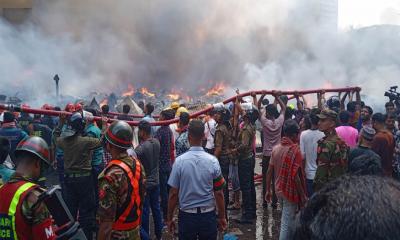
173	96
217	90
146	92
104	102
129	92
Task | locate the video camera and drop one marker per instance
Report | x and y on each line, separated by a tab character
67	228
392	94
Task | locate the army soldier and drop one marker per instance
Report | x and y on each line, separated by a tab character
121	187
21	215
332	151
244	149
222	143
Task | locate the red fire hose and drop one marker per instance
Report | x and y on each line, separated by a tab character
130	115
13	108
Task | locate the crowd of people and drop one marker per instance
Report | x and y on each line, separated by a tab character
332	168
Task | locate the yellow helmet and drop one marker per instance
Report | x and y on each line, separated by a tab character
174	105
181	110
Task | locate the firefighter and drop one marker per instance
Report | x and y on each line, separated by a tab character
121	187
21	215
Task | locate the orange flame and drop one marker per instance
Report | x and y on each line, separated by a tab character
129	92
173	96
146	92
104	102
217	90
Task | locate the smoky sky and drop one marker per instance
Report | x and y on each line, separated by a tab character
101	45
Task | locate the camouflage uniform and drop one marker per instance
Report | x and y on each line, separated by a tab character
34	214
331	159
113	192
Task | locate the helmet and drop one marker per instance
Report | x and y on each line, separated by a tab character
174	105
181	110
120	134
252	114
77	122
333	103
47	107
225	114
36	146
78	107
70	107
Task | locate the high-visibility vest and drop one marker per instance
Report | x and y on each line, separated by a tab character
130	217
12	224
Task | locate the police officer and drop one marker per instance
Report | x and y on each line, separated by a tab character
78	179
222	143
244	149
21	216
121	188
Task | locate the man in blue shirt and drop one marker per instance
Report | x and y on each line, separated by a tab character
148	110
11	132
5	172
197	181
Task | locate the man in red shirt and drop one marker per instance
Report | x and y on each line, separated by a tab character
383	143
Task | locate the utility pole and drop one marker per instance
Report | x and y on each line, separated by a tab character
57	79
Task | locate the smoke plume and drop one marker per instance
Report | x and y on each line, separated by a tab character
102	45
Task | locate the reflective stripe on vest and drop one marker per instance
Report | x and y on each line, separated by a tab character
120	224
14	203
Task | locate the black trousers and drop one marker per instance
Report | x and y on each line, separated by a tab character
224	163
80	198
246	178
265	165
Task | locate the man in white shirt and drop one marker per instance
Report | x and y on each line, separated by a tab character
209	132
309	146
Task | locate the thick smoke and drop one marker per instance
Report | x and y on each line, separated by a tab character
102	45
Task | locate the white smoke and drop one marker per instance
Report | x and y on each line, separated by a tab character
101	45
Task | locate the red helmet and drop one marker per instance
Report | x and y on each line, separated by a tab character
70	107
78	107
47	107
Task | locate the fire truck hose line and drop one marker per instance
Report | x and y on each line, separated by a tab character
12	108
